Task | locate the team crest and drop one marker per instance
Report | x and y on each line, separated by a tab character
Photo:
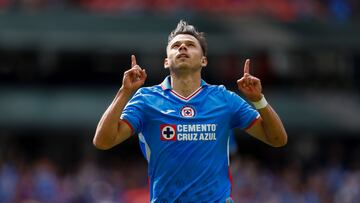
187	112
168	132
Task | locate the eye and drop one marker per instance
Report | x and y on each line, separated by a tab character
174	46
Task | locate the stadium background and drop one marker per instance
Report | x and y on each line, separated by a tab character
61	63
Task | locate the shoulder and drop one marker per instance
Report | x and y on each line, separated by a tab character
219	90
225	94
148	93
145	95
149	90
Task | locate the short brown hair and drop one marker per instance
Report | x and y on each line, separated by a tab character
184	28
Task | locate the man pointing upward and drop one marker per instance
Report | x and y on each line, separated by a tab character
184	123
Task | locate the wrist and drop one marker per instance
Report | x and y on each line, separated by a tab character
260	104
126	92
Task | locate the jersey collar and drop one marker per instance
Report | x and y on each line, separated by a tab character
166	84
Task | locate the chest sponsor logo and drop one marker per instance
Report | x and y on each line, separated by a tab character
186	132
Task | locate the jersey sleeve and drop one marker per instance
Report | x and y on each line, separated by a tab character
243	115
133	112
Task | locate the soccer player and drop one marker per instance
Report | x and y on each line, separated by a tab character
184	123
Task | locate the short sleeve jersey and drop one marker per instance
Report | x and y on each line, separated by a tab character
186	139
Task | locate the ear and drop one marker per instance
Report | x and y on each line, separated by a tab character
166	63
204	61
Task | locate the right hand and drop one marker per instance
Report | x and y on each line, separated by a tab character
133	78
250	85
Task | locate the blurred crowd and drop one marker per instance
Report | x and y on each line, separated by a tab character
294	184
285	10
43	180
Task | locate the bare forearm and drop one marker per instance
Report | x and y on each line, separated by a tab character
111	130
269	128
274	130
108	126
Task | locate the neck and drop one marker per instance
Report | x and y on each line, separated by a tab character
185	85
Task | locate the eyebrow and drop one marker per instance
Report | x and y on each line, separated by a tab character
183	41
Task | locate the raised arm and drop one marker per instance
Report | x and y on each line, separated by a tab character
268	128
111	130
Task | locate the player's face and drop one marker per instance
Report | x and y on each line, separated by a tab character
184	52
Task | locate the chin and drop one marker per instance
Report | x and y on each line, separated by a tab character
182	66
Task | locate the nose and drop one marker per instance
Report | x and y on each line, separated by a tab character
182	47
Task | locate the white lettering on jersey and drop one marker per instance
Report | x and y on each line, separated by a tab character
188	132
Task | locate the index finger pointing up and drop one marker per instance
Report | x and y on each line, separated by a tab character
133	61
247	66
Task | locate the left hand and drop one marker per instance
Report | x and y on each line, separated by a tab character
249	85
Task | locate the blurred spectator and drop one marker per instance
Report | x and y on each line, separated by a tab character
46	182
9	178
340	9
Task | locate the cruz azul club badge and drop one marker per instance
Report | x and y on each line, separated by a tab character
187	112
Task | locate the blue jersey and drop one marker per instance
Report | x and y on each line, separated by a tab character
186	140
